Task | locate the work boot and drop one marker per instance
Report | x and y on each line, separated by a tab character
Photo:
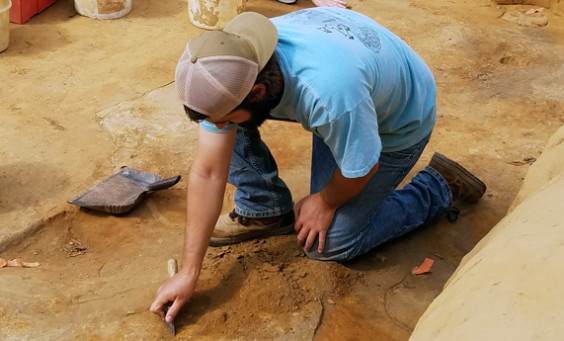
232	228
463	185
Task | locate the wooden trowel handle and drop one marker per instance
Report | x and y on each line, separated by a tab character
172	267
163	184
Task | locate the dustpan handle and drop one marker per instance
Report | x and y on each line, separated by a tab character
163	184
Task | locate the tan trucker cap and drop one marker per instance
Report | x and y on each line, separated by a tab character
219	68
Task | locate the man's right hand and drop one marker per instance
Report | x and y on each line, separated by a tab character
177	290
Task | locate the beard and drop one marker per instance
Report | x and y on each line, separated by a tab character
259	111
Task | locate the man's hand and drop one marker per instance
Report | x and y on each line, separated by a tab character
314	218
316	211
178	290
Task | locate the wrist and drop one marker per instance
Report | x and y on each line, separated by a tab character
190	270
328	200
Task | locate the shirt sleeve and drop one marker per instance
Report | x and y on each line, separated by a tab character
354	141
213	128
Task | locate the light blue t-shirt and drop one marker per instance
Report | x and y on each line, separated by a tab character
353	83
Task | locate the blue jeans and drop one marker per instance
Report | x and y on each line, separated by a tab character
376	215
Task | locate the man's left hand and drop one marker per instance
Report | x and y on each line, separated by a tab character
314	218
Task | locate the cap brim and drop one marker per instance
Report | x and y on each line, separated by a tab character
259	31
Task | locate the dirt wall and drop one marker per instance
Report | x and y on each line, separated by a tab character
509	287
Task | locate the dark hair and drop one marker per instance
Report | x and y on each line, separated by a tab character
193	115
272	77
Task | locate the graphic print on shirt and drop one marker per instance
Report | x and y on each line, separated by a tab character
331	23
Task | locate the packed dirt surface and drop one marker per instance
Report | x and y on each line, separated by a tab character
81	98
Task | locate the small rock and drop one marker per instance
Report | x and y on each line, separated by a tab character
270	267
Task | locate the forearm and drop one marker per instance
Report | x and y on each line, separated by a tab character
340	189
204	201
206	188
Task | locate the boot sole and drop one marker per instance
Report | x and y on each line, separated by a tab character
218	241
444	162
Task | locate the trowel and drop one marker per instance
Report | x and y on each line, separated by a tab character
121	192
172	269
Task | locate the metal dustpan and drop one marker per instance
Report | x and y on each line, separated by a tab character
121	192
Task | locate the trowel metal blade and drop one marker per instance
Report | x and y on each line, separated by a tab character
169	326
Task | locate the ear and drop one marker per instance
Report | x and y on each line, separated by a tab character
258	91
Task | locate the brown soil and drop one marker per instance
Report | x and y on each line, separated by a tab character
82	97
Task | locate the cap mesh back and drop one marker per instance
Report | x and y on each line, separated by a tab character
214	86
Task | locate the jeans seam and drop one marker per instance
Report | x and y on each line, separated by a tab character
272	214
252	159
259	171
441	180
251	155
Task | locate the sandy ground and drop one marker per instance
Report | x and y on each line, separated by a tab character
82	97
